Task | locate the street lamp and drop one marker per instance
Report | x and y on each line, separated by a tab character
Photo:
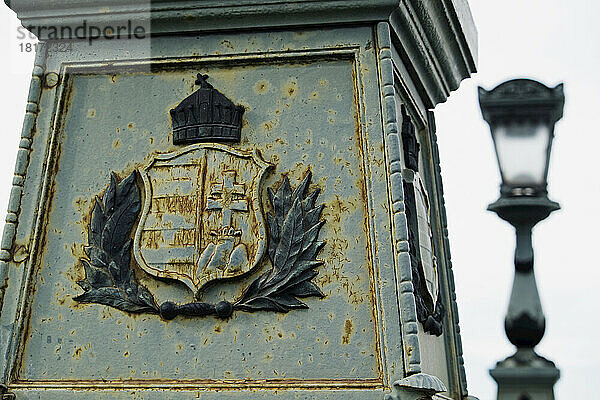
521	114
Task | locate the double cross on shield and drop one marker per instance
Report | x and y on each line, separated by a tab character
202	219
228	196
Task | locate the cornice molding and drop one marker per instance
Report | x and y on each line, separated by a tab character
438	40
177	16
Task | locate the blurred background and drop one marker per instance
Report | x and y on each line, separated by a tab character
548	40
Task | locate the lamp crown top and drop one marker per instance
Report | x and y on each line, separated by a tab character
522	98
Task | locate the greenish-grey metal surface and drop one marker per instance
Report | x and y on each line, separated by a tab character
313	101
313	108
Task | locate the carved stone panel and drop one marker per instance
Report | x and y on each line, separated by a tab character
245	264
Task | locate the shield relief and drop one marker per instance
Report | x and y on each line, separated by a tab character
202	218
428	259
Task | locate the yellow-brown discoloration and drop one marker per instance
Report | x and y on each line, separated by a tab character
269	125
152	239
20	253
81	205
91	113
174	204
290	89
331	116
184	237
348	330
344	161
79	351
165	206
117	143
261	87
227	43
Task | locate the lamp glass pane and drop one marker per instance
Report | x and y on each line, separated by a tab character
522	151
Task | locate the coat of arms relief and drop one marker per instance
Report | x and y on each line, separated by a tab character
202	221
425	277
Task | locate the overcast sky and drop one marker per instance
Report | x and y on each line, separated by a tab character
552	41
549	40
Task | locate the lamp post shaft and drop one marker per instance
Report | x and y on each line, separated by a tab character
524	323
525	375
524	249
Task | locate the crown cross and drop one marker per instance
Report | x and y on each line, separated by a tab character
201	81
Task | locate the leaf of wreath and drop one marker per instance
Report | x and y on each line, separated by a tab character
294	227
109	278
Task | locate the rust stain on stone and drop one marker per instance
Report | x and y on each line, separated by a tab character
79	351
269	125
20	253
290	89
152	239
348	330
227	43
175	204
184	237
261	87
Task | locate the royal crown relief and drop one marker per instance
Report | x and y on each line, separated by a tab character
207	115
202	221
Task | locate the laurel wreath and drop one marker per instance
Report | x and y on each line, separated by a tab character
294	227
109	278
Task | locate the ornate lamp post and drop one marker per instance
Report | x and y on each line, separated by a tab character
521	114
